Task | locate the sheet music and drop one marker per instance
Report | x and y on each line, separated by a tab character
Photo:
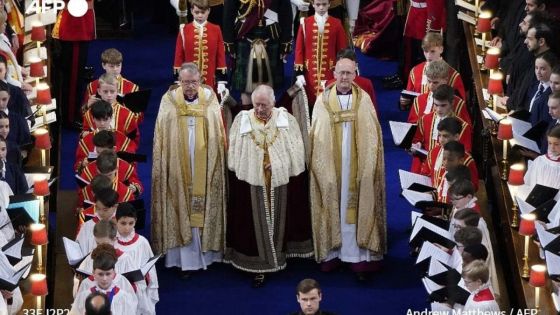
411	93
32	54
524	142
485	95
48	108
436	267
545	237
552	263
25	260
51	117
413	216
399	130
524	206
430	286
409	178
6	269
492	114
46	18
556	301
554	215
456	261
421	223
14	249
73	251
148	265
478	41
420	150
85	181
429	250
519	126
413	196
465	5
465	17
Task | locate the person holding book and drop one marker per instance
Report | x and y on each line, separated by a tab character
111	62
462	195
98	141
107	113
320	37
139	248
432	46
482	298
122	301
108	164
474	252
467	236
453	155
19	130
545	169
426	135
201	42
104	207
88	193
437	75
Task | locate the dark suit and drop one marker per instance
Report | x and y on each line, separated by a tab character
18	101
19	130
15	178
539	110
544	141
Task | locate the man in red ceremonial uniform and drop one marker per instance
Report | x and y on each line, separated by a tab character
427	134
423	16
201	42
74	34
319	39
111	62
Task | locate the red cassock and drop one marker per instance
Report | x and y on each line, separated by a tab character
207	52
86	193
430	170
125	120
426	127
85	146
124	87
415	81
315	54
70	28
423	16
421	102
441	184
126	173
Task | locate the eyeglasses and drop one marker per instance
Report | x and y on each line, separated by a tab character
457	198
189	82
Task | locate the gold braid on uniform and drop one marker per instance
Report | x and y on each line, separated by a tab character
252	3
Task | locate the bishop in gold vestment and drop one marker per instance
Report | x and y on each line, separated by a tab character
188	175
267	221
347	175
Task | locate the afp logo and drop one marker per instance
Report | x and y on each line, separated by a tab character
76	8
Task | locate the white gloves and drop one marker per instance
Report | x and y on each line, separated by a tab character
300	81
301	5
222	90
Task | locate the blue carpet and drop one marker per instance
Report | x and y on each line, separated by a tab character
223	290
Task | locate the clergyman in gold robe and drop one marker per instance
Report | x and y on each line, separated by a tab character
188	175
268	219
347	177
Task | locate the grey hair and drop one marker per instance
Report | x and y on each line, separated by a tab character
264	89
189	67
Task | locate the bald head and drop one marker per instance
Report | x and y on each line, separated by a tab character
345	73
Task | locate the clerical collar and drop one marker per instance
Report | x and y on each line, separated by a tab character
6	111
343	93
189	99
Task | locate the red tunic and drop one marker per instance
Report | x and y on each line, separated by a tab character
70	28
85	146
124	87
426	126
126	173
423	16
315	55
125	120
125	194
415	80
430	169
207	52
421	102
441	184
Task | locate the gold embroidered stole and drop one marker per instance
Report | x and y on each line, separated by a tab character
196	183
263	139
338	117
